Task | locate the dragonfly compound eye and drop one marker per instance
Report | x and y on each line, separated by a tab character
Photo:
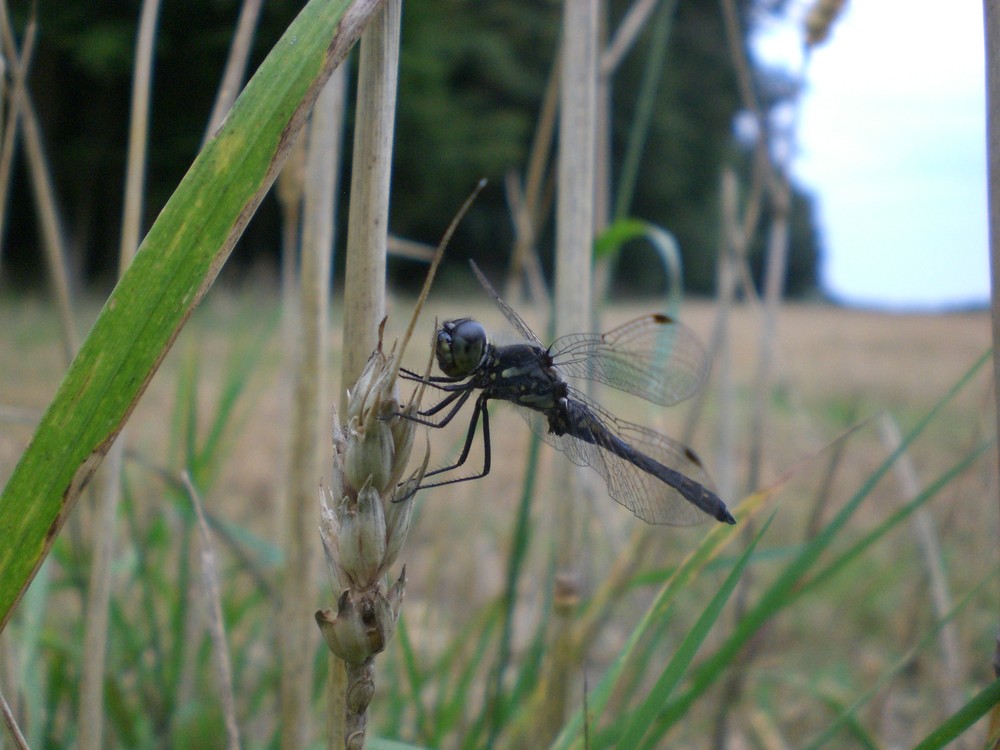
460	347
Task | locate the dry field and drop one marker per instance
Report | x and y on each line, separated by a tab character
833	369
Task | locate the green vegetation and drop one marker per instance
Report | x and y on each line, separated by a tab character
850	607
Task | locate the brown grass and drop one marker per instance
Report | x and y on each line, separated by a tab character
832	363
835	368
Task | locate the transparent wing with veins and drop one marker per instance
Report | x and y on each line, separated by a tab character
507	310
653	357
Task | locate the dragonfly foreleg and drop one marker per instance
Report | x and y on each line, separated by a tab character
458	397
432	380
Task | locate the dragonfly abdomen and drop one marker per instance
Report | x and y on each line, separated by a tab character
694	492
576	419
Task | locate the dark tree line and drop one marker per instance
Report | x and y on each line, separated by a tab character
472	77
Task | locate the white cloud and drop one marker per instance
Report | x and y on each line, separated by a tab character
892	139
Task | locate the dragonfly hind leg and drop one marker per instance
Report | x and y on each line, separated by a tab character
479	411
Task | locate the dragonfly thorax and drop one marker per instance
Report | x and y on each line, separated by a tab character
461	347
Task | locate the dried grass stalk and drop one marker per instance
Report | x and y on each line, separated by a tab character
216	622
574	240
91	712
236	65
309	410
364	291
364	309
43	189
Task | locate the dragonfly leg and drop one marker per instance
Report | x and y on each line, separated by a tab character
480	410
458	397
432	380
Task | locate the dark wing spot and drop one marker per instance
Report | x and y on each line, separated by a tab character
692	457
662	318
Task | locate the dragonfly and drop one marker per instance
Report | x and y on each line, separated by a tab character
653	357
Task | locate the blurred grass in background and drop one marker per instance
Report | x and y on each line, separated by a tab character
868	633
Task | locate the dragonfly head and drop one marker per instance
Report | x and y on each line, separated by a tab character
461	346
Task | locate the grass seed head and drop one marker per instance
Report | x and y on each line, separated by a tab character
820	20
364	622
362	538
379	442
363	523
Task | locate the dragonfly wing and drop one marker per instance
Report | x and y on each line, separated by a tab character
644	494
656	501
570	446
653	357
507	310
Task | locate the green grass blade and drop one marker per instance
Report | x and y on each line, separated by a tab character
144	546
176	264
28	649
849	715
598	698
243	363
452	710
187	411
497	700
782	591
856	732
878	532
645	104
377	743
962	719
608	245
643	718
414	674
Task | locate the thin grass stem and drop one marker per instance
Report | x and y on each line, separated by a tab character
138	134
16	736
364	288
574	244
91	716
991	11
216	621
529	211
16	69
367	229
645	103
932	555
44	193
95	641
309	416
236	65
626	35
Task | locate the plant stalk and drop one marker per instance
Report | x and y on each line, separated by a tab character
91	713
364	287
368	218
236	65
991	12
309	419
45	196
574	243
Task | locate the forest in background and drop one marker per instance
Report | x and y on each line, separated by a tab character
471	82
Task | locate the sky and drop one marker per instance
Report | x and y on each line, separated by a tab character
891	141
